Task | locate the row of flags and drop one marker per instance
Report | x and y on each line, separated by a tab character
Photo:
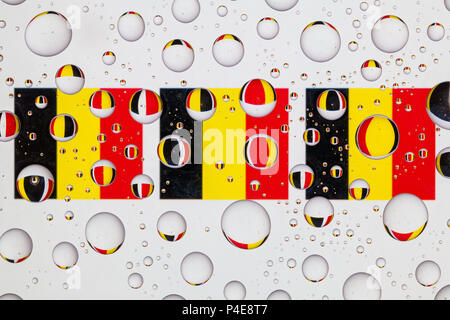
233	155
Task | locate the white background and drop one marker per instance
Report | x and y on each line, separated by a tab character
105	277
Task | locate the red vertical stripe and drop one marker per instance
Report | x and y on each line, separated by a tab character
187	44
97	101
10	124
401	236
52	127
58	74
50	189
416	177
308	178
254	93
152	101
131	133
98	174
274	181
328	220
362	133
145	189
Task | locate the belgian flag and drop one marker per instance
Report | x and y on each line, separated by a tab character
70	162
218	168
401	126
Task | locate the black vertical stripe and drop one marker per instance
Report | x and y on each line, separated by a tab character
206	100
177	42
333	101
310	136
241	93
325	152
76	72
444	164
135	188
69	126
389	232
185	182
1	116
134	104
35	190
397	135
439	101
113	176
169	238
247	160
42	150
297	178
317	222
171	151
364	192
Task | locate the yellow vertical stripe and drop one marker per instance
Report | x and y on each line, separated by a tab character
161	152
108	174
308	218
195	100
256	244
438	164
273	153
106	100
378	173
268	91
224	140
150	191
168	44
21	187
70	162
416	233
67	71
380	130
